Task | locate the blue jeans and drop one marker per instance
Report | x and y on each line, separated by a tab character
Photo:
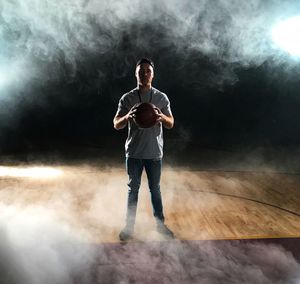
134	169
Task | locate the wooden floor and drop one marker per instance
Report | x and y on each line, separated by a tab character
235	205
198	205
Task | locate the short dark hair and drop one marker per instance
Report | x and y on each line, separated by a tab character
145	60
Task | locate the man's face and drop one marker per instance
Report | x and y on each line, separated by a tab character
144	74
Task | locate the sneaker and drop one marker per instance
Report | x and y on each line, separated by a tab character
125	235
164	230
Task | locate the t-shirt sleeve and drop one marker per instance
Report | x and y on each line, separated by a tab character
122	107
166	109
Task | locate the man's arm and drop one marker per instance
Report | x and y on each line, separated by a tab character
121	121
166	120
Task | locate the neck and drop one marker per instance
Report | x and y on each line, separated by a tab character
145	88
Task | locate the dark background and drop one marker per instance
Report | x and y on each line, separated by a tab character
229	85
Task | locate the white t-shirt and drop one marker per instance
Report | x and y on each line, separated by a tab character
144	143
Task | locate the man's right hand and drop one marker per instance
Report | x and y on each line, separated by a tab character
121	122
132	113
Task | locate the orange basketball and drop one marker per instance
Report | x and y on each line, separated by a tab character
146	115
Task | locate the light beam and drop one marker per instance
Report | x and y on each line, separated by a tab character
31	172
286	35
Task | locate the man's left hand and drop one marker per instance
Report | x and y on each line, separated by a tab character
167	121
160	115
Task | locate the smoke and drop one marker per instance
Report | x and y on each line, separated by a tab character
37	247
48	226
200	262
53	37
60	57
52	230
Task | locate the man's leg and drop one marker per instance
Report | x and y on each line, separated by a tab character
153	169
134	169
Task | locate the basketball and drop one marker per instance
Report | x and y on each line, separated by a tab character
145	115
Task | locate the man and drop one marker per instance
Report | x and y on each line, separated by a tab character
144	146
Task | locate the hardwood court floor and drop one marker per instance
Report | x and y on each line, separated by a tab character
234	205
199	205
